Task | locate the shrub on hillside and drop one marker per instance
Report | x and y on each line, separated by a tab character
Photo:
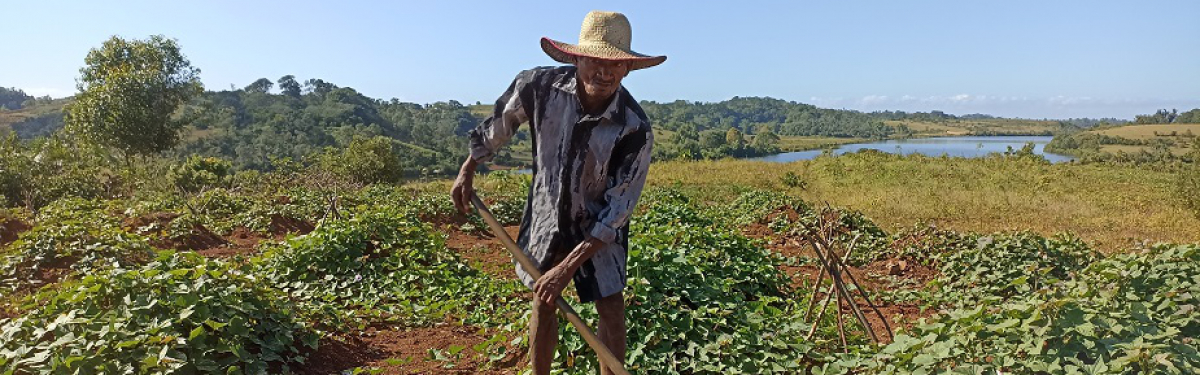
37	173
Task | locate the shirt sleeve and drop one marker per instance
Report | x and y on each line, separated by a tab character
632	160
508	114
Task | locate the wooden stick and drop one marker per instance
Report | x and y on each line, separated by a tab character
606	357
813	301
825	301
870	304
820	246
862	291
821	312
840	325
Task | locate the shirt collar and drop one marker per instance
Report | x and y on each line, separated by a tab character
613	112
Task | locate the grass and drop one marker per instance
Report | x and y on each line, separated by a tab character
1130	149
978	127
801	143
1111	207
1179	136
1148	131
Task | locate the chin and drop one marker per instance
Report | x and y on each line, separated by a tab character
603	92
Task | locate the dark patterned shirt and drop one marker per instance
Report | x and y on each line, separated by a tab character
588	172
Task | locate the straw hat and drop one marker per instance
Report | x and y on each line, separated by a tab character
604	35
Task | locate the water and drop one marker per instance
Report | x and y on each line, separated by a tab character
969	147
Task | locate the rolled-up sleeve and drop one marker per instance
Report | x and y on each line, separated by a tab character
508	114
632	161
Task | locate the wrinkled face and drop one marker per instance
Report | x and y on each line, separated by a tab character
600	79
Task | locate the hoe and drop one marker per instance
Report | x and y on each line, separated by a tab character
606	356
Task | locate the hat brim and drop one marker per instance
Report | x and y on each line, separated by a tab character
566	53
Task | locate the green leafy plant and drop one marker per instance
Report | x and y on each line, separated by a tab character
384	262
75	236
1131	313
179	314
1003	266
199	173
705	300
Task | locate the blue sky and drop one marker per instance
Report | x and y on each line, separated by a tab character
1033	59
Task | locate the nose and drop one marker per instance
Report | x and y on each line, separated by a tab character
605	72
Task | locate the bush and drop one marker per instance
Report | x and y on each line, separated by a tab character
1187	187
365	161
199	173
792	180
1187	184
40	172
180	314
507	192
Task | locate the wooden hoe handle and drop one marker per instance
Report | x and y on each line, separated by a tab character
606	356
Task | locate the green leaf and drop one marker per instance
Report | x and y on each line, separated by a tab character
199	331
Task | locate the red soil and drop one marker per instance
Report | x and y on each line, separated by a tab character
407	352
484	251
10	229
873	277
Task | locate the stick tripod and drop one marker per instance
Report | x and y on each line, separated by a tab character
822	241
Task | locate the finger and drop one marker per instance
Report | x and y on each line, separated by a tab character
460	202
468	195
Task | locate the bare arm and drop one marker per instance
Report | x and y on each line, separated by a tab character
490	136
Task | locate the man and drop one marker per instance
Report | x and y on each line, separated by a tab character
591	145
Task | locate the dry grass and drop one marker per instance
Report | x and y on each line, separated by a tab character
977	127
1114	208
1148	131
791	143
1128	149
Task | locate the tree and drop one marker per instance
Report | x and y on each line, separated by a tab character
128	91
365	161
289	86
1159	117
733	137
766	142
262	85
12	98
318	86
711	139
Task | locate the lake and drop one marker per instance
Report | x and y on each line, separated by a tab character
969	147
